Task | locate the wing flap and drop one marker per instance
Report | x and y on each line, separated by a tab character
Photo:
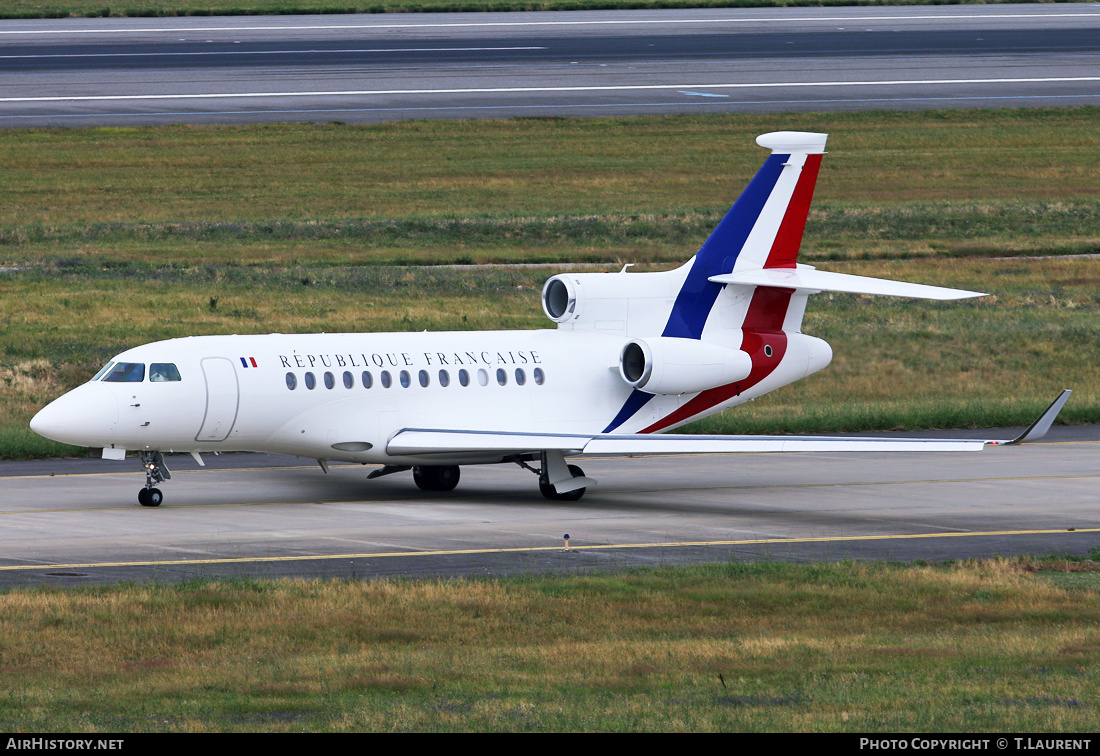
417	441
683	444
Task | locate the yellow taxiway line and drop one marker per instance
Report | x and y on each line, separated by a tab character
532	549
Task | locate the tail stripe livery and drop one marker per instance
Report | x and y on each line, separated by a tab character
753	218
720	252
763	328
788	240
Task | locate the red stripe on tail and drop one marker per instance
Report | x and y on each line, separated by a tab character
763	328
788	240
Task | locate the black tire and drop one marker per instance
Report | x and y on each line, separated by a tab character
548	491
150	497
448	477
436	477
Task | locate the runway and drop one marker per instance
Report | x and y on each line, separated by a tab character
371	68
77	521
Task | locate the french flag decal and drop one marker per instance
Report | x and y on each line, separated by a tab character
249	362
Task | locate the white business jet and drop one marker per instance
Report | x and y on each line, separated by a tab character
632	354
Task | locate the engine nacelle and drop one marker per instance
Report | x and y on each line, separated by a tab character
621	303
664	365
560	298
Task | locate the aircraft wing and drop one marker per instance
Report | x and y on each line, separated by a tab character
419	441
424	441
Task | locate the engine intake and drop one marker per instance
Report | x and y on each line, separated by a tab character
666	365
559	299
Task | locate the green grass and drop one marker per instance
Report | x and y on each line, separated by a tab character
991	646
97	8
648	188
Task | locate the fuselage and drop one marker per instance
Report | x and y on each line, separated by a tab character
342	396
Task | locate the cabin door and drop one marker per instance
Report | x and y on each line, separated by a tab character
222	399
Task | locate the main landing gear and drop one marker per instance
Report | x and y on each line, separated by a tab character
557	481
436	477
155	472
551	493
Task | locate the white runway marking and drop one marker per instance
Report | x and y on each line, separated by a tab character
268	52
502	90
590	22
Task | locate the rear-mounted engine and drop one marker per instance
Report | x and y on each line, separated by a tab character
665	365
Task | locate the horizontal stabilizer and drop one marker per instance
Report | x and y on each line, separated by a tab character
807	278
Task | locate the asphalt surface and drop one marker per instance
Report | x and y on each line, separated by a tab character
77	521
371	68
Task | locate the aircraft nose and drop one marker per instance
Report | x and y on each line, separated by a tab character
86	416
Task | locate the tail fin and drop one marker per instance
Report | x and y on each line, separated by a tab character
763	229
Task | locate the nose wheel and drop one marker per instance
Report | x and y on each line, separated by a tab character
155	472
150	497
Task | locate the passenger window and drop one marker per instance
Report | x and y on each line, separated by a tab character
163	371
349	379
464	377
102	370
538	375
502	376
330	380
405	380
385	378
521	377
482	377
368	381
424	379
311	382
291	381
444	378
126	372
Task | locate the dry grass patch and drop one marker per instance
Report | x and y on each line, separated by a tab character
862	647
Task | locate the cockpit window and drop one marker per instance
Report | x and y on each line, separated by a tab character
163	371
126	372
102	370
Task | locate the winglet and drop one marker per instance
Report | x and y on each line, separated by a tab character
1039	428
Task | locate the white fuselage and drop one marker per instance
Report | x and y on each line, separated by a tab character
234	392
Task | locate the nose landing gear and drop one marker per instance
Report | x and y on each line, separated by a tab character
155	472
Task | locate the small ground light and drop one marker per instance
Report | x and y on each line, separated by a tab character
566	537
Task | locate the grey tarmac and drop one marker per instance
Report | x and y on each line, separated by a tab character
373	68
251	516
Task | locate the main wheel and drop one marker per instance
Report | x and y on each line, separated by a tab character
150	497
436	477
548	491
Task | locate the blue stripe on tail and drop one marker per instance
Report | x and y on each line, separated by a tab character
719	253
